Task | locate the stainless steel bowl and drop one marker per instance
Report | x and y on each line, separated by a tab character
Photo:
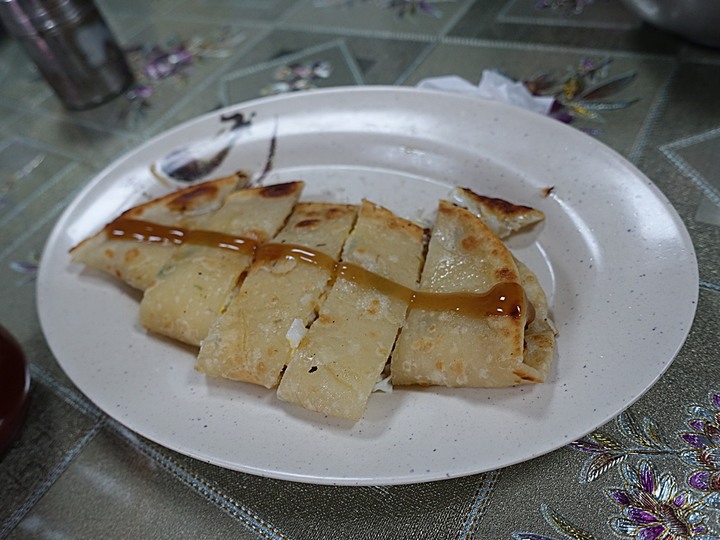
696	20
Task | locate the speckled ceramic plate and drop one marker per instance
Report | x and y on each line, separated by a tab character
613	256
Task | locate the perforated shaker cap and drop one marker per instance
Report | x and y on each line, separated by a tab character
30	17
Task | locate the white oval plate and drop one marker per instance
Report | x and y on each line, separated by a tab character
613	256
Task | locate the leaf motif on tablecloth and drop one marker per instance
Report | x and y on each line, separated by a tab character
28	267
584	91
608	87
568	530
562	525
632	430
607	453
599	465
586	444
641	438
652	430
645	434
608	442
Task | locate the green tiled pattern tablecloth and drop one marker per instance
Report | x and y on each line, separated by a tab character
74	473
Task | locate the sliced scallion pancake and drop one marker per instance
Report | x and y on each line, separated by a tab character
540	333
451	348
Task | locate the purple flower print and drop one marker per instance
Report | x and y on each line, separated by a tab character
653	508
584	92
704	443
298	76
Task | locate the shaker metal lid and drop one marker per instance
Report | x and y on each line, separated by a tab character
30	17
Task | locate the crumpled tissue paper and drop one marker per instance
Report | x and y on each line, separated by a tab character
493	86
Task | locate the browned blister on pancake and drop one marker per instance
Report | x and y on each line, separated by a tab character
503	217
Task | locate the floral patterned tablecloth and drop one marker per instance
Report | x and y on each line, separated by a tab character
651	473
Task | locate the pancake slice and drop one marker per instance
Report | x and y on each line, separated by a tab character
451	348
504	218
195	284
540	333
338	361
137	263
248	342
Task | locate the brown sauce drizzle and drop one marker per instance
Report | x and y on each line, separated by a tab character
504	299
145	231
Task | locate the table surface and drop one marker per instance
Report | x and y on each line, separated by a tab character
75	473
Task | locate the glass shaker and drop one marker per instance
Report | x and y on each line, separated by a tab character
72	47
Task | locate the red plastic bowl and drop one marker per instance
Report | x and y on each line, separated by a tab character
14	388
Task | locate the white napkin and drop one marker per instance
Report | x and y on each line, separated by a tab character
492	86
